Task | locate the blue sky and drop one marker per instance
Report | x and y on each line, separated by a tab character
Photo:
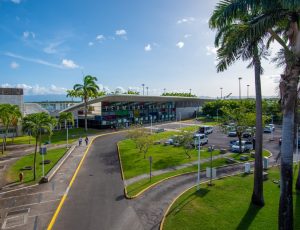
47	46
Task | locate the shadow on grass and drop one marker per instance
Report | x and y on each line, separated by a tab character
248	217
297	211
200	193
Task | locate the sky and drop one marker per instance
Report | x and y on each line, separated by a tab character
47	46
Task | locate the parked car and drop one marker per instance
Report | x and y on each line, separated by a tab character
159	130
236	148
169	141
206	129
246	135
280	141
232	142
203	139
232	134
268	129
246	145
272	127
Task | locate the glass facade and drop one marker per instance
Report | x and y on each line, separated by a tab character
127	113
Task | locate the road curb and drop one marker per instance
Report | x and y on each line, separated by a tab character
57	166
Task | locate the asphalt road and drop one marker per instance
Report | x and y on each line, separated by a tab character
96	199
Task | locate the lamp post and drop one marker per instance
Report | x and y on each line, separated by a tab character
221	92
240	88
248	91
198	177
143	85
151	123
190	91
147	90
164	90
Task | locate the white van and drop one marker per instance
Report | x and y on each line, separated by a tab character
206	129
203	139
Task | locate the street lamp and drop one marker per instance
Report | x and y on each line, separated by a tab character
190	91
248	91
164	90
198	177
147	90
143	89
221	92
240	88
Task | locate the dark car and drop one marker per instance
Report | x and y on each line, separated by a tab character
246	135
280	141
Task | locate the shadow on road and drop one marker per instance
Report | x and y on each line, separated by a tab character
248	217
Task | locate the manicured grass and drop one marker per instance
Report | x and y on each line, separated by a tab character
226	205
58	137
138	186
13	172
192	128
134	163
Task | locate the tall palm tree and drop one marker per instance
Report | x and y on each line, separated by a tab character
88	89
36	124
278	19
234	42
9	116
66	117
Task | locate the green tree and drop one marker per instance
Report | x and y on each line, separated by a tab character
177	94
279	20
89	89
66	117
132	92
143	143
9	116
37	124
235	42
185	139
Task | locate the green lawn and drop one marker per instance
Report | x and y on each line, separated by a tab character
140	185
13	172
192	128
226	205
134	163
58	137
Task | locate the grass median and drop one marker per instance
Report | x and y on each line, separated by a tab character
226	205
135	188
53	155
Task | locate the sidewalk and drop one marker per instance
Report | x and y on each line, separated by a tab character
172	169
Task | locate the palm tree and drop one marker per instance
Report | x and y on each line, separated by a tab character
279	20
234	42
9	116
88	89
66	117
36	124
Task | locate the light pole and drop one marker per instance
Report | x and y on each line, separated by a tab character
198	177
143	85
240	88
151	123
248	91
190	91
164	90
221	92
147	90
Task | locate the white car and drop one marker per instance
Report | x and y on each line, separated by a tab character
246	145
272	127
202	137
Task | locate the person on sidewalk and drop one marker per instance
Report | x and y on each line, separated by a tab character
86	141
79	141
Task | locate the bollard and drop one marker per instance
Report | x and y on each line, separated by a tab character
21	176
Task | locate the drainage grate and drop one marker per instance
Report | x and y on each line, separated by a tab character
15	218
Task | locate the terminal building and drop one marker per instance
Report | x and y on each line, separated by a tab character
125	110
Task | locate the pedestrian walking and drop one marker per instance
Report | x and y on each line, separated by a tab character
86	141
80	141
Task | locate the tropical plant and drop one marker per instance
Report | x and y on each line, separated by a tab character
9	116
37	124
185	139
235	42
177	94
66	118
89	89
279	20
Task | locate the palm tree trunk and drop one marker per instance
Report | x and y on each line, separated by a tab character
288	90
85	114
258	195
34	159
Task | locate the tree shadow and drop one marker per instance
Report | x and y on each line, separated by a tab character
198	193
248	217
297	211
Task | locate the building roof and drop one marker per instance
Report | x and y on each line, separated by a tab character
135	98
11	91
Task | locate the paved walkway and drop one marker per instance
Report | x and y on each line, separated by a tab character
172	169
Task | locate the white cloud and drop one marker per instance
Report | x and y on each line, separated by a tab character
69	64
51	48
186	20
180	45
121	32
210	50
16	1
100	37
187	35
148	48
37	89
28	34
91	43
14	65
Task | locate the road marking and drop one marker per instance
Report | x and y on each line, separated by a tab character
30	204
18	189
31	194
61	203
